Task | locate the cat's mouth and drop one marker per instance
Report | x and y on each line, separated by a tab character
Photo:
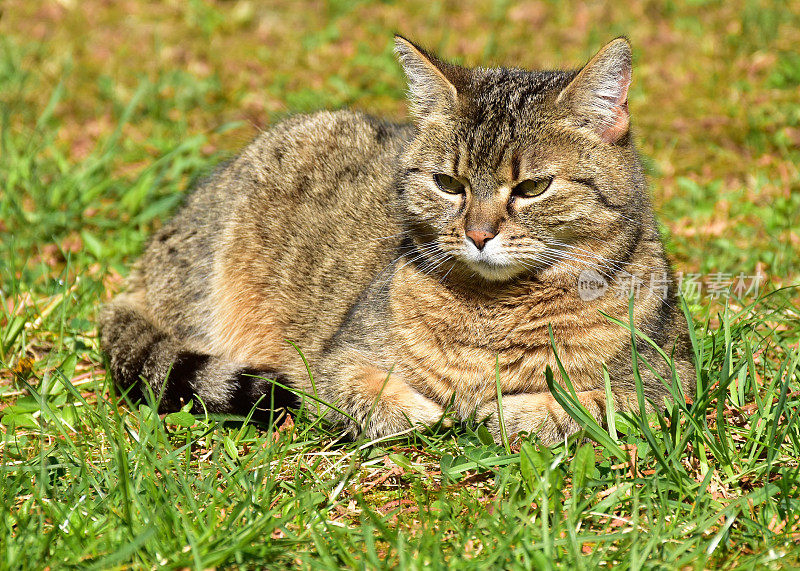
491	262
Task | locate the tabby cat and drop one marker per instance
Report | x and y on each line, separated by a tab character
417	267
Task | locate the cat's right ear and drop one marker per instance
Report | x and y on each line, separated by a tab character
431	82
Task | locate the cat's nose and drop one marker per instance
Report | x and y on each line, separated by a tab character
480	237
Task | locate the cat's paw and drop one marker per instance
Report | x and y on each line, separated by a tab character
423	412
395	415
394	405
541	414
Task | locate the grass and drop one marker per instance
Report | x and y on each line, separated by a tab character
109	112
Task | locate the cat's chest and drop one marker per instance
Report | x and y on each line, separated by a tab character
457	346
493	320
467	334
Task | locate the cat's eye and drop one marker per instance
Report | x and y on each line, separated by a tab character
531	188
448	184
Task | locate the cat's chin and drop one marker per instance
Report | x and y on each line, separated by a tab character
495	272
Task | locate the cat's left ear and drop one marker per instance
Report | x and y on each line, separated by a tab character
598	96
431	82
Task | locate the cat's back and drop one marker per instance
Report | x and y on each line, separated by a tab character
278	243
313	220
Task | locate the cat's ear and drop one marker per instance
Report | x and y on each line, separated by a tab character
431	82
598	96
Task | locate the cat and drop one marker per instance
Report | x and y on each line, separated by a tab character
387	273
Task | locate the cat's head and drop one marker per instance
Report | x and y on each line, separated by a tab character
514	172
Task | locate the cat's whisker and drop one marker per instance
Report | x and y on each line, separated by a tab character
579	254
642	283
444	277
598	256
629	219
431	260
556	255
610	277
435	259
421	251
552	261
590	263
389	274
443	259
429	270
561	258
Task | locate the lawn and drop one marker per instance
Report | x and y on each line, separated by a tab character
110	110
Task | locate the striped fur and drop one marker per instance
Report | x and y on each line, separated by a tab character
333	234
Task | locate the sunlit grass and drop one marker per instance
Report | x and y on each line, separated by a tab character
105	126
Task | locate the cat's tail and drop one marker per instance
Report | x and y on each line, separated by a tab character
139	352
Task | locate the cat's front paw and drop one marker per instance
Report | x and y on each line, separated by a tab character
393	405
396	414
540	414
424	412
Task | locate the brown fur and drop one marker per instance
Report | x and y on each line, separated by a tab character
330	232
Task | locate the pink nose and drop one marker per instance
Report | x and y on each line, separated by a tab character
480	237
